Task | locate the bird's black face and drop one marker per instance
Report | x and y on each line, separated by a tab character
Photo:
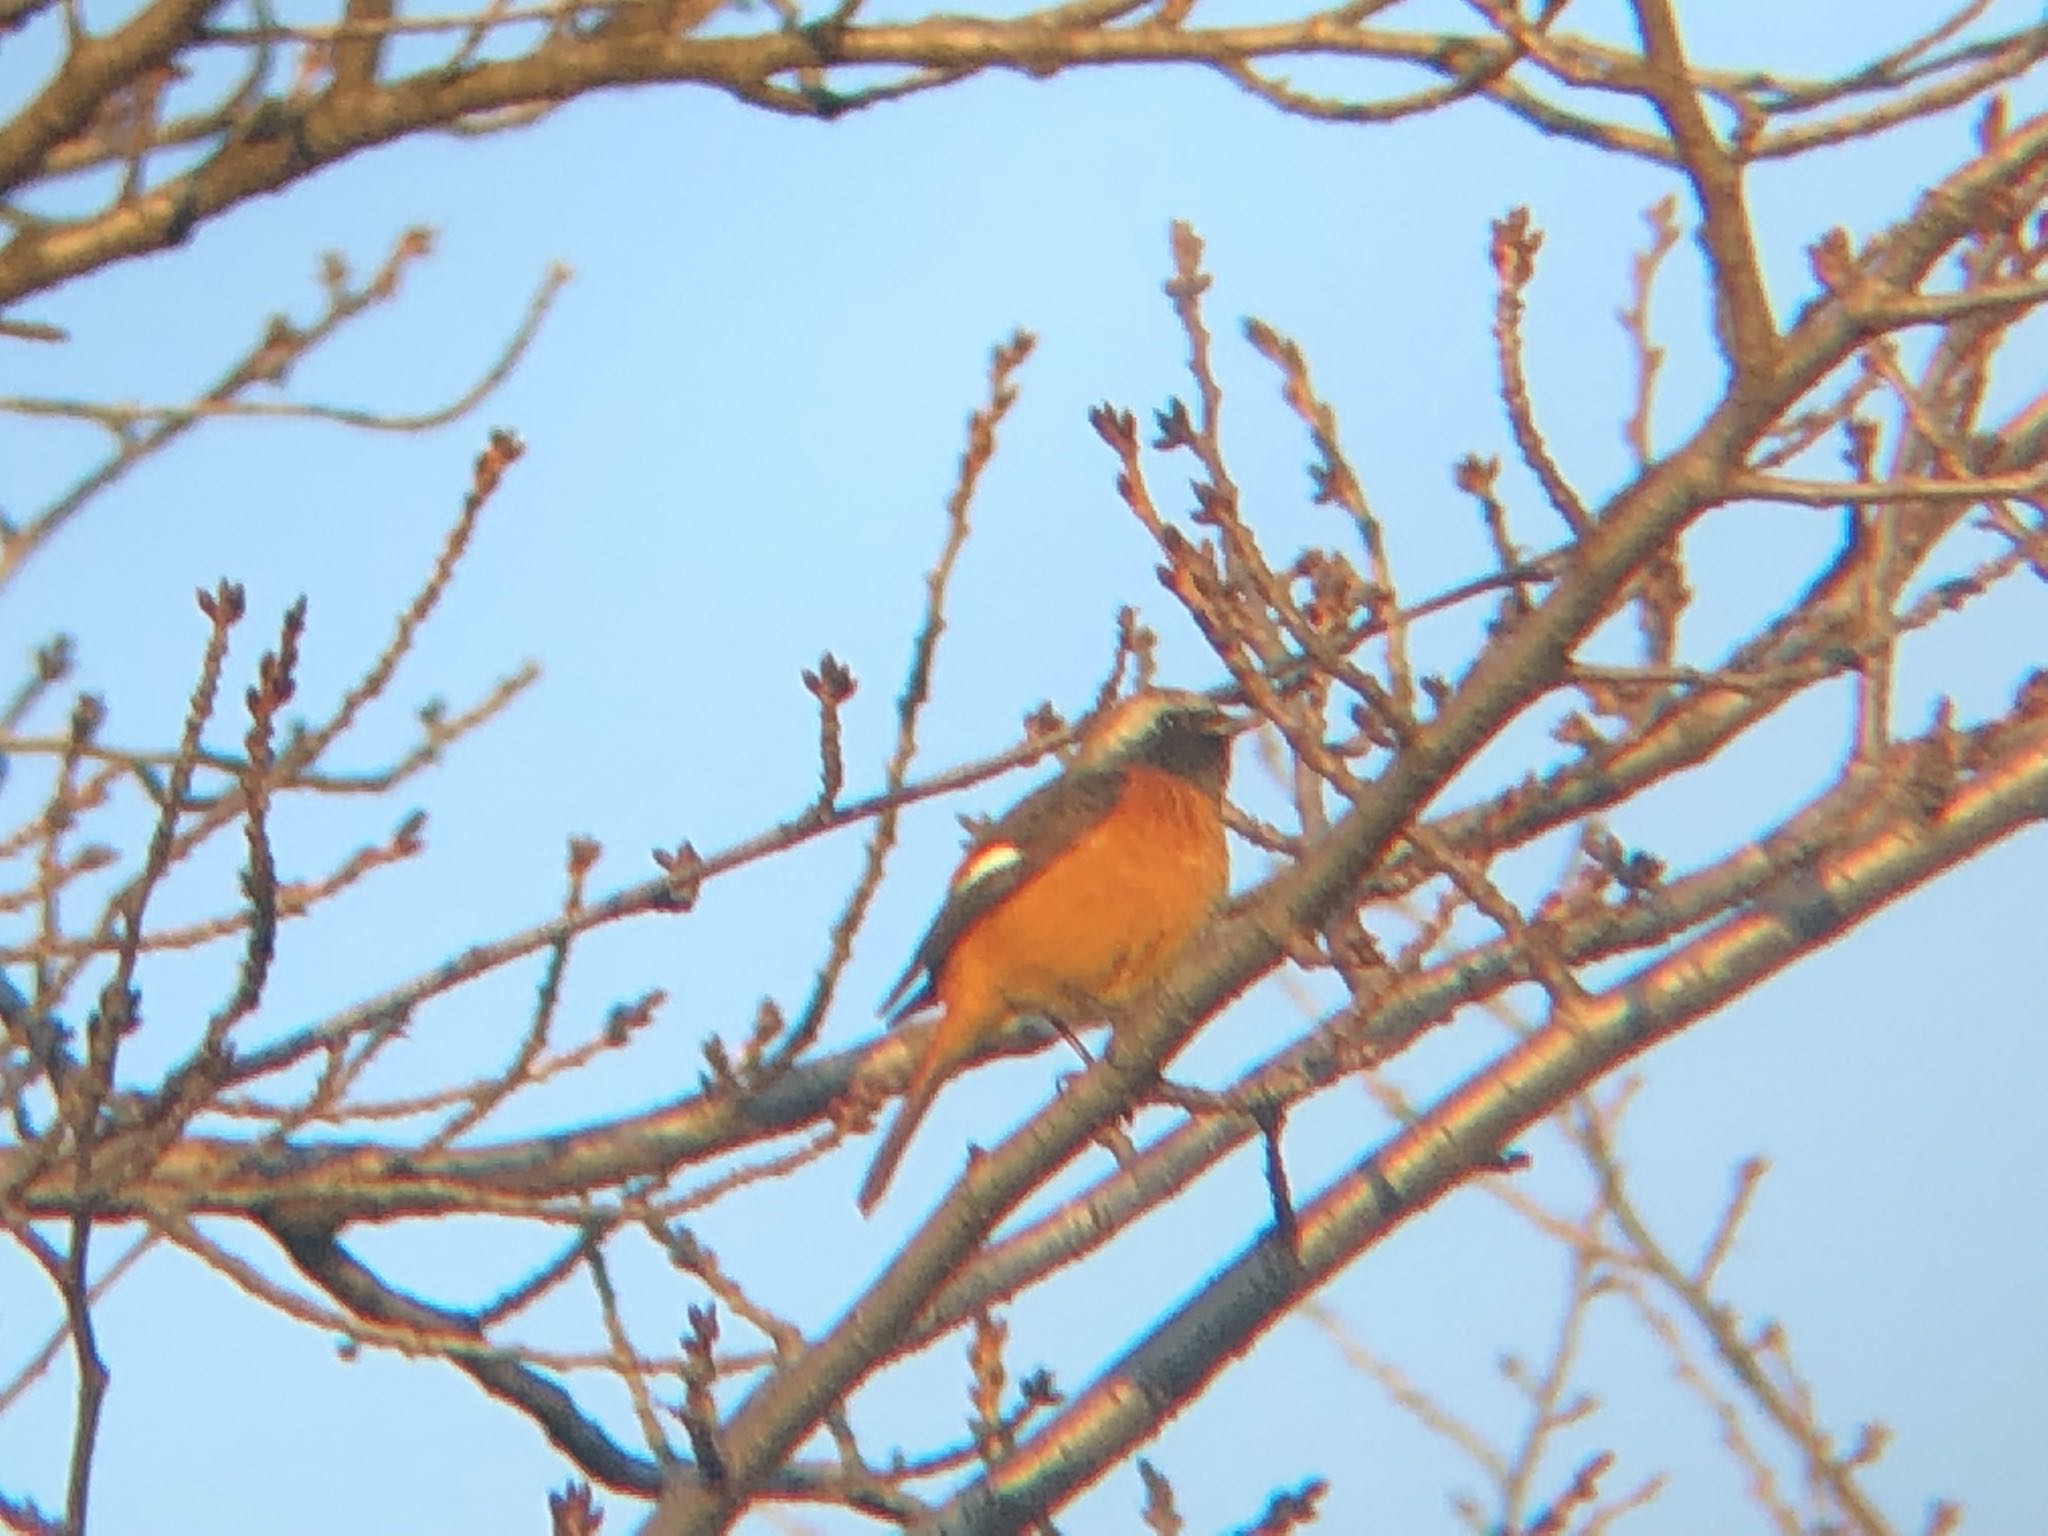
1166	728
1191	740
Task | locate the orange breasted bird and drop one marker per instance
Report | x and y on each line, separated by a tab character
1075	899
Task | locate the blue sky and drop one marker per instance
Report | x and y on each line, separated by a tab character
742	419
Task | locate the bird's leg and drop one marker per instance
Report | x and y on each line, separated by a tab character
1067	1034
1061	1081
1078	1002
1073	1002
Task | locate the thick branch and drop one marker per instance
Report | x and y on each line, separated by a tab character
94	70
281	141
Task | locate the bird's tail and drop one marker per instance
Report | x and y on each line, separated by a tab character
924	1087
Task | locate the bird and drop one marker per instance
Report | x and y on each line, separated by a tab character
1076	898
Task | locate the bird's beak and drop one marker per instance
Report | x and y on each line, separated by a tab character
1221	722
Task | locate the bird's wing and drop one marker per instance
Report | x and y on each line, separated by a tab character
1027	838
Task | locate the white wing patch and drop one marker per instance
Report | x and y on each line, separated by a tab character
985	862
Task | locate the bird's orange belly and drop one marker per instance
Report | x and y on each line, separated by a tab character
1101	921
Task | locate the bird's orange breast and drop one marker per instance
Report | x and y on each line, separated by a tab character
1100	921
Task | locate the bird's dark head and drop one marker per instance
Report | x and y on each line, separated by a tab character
1181	732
